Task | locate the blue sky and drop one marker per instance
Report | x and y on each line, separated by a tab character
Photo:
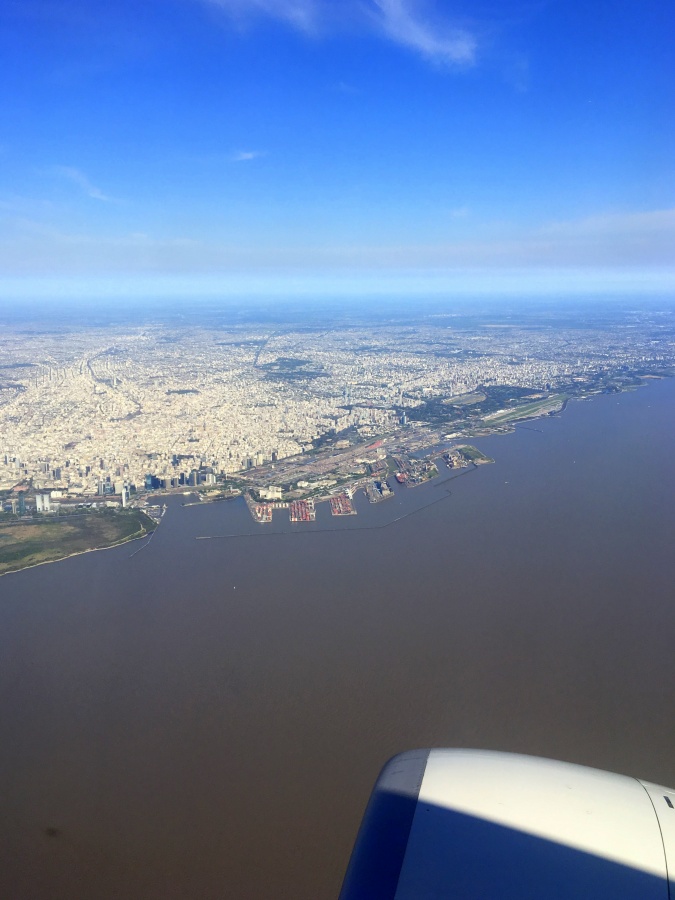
336	145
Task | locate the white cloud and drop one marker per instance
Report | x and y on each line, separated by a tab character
246	155
81	180
403	23
301	14
427	31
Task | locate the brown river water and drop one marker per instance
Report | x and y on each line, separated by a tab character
206	718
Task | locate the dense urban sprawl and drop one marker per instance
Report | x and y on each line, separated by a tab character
95	410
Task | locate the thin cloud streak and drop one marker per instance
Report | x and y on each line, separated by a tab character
246	155
652	224
445	44
399	21
81	180
300	14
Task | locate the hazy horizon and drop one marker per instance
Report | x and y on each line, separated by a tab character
299	146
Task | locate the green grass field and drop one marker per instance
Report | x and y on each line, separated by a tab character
24	544
473	454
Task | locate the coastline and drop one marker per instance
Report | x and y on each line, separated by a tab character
136	536
359	484
48	562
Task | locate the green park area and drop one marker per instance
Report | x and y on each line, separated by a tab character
473	454
47	539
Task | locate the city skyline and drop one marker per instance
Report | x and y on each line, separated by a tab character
81	402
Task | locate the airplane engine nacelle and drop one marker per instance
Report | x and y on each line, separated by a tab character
478	825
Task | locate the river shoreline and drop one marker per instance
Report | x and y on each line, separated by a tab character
430	452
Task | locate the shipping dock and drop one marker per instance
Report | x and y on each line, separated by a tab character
341	505
262	512
377	491
302	511
413	471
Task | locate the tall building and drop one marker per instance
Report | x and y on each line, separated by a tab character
40	502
